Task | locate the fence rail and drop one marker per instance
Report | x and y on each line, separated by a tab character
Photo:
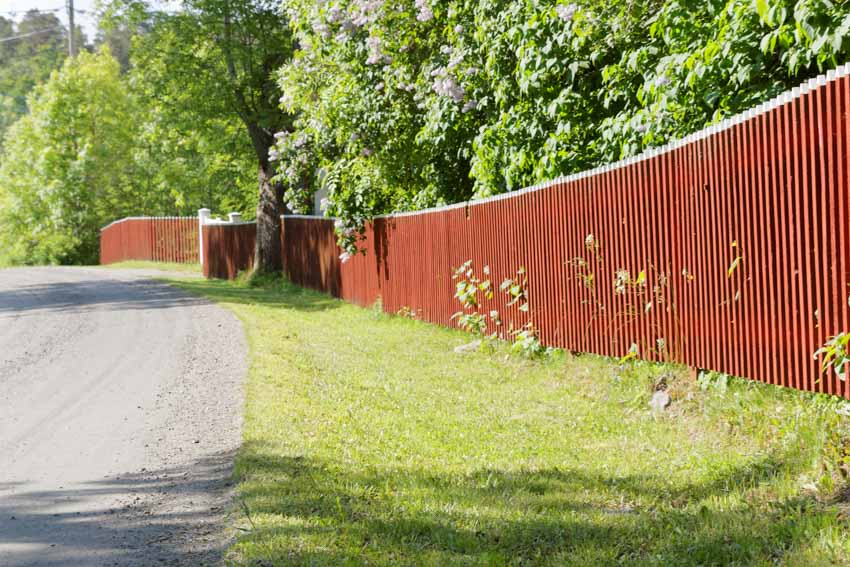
726	250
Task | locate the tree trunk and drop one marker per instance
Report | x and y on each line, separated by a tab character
267	254
268	257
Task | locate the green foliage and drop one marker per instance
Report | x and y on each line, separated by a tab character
836	354
467	287
205	72
65	169
416	103
517	289
527	343
211	63
473	316
40	49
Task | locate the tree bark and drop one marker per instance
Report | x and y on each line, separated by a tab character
268	256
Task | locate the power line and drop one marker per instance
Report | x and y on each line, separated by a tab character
40	10
14	37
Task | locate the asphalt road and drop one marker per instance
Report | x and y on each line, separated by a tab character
120	412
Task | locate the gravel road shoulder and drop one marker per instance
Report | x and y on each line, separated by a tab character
178	505
171	407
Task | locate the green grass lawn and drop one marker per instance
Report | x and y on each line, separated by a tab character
164	266
369	441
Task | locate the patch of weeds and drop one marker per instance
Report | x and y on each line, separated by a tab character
708	380
259	280
526	342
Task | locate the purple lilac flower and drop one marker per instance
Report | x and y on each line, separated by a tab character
567	12
373	44
446	85
366	12
425	14
334	14
321	29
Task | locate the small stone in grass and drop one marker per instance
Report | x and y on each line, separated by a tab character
469	347
660	400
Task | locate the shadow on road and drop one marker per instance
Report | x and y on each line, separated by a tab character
82	295
148	525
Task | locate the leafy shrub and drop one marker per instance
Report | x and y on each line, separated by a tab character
416	103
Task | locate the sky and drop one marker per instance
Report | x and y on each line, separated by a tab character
84	11
86	19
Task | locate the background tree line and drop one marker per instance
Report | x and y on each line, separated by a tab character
144	121
256	104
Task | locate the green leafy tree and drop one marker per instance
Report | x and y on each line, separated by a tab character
188	154
29	52
64	171
212	63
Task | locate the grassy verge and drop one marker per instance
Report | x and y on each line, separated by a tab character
368	440
163	266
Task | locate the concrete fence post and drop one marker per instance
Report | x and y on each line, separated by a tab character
203	217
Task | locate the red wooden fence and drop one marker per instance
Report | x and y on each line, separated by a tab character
160	239
726	250
228	249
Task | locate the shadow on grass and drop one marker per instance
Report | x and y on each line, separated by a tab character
498	517
280	294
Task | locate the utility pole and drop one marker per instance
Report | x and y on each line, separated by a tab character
70	27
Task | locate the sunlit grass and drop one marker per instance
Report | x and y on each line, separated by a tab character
368	440
164	266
